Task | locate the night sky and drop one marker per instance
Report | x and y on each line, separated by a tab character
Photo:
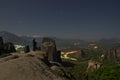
79	19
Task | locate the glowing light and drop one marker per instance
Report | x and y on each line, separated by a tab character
65	55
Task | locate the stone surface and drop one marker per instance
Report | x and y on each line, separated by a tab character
112	54
1	45
49	46
31	66
9	47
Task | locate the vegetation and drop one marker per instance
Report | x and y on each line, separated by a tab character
106	72
110	72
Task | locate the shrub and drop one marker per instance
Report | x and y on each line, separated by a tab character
111	72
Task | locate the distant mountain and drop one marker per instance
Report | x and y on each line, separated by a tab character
27	40
70	42
11	37
30	38
109	41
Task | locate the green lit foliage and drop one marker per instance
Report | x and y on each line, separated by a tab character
111	72
106	72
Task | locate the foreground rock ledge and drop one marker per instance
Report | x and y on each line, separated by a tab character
31	66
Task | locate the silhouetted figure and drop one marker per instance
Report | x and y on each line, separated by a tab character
34	45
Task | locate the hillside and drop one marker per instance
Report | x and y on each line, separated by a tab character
31	66
11	37
109	41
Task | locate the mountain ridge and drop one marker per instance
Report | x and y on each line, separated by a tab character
27	40
11	37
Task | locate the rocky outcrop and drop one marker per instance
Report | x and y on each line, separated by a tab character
31	66
49	46
112	54
35	65
1	45
6	47
9	47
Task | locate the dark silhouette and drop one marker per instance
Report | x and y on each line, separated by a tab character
1	45
82	53
27	49
9	47
34	44
6	47
58	57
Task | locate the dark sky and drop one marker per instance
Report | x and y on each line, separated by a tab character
81	19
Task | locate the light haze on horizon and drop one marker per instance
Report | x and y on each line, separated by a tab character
79	19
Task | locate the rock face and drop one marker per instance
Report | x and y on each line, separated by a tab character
36	65
92	65
49	46
1	45
9	47
112	54
31	66
6	47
